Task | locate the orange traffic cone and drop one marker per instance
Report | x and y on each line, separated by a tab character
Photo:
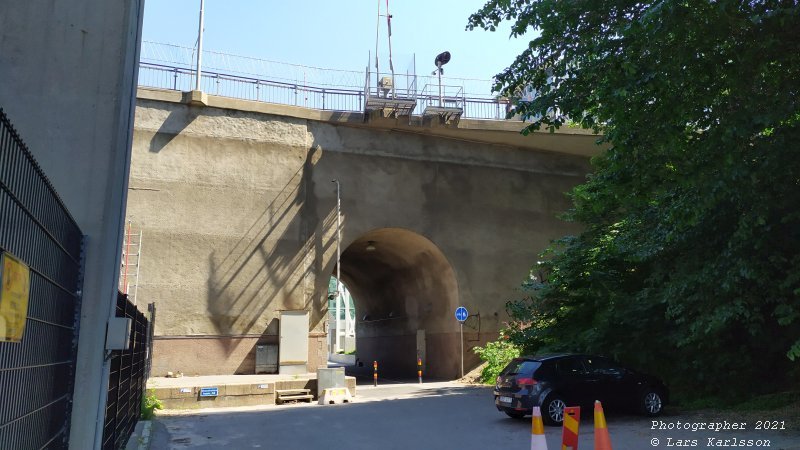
569	435
537	431
602	441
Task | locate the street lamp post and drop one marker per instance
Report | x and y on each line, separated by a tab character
199	47
441	59
338	263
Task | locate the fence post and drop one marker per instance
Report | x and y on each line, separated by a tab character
175	79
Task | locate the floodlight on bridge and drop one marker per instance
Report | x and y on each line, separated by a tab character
446	114
441	59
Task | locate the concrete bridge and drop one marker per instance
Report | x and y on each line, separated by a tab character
238	214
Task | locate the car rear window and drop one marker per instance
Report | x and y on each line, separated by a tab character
521	367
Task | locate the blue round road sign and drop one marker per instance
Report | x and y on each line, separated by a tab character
461	314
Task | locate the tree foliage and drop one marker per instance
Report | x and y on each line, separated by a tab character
689	262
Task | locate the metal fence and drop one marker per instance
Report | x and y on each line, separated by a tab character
246	88
37	373
127	378
300	94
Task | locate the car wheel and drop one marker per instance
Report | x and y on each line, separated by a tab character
651	403
553	410
515	414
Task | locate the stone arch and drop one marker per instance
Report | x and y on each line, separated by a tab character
403	286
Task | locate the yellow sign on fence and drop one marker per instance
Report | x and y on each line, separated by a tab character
15	287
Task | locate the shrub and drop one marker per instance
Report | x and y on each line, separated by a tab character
150	403
497	355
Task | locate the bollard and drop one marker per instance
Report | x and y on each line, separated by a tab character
375	373
419	369
569	435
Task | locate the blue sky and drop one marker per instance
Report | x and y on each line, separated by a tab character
338	34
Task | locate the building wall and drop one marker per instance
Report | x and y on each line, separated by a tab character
238	216
68	83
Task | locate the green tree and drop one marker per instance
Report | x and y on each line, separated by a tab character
689	262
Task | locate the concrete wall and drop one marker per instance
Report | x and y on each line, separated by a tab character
67	72
237	209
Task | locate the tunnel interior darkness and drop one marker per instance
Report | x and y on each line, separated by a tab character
405	291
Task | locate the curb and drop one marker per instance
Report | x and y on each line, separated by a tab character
144	441
140	438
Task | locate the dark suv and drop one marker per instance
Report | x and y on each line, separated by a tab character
555	381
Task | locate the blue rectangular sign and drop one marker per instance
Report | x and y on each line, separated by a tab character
209	392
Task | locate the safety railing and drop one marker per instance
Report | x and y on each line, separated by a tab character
298	94
451	97
255	89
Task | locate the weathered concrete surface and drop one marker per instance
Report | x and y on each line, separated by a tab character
237	208
68	74
233	390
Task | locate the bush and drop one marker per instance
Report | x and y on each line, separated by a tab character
150	403
497	355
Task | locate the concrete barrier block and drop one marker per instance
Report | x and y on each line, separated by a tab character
333	396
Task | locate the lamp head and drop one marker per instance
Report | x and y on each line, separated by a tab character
442	59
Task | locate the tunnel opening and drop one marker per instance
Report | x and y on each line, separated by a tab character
404	291
341	322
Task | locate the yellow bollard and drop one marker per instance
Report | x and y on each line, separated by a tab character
569	435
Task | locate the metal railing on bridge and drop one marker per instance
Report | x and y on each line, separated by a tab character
167	66
248	88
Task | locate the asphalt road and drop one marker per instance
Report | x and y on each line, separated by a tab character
436	416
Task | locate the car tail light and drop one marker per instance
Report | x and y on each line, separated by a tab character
526	381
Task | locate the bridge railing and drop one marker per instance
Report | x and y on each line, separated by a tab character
297	94
247	88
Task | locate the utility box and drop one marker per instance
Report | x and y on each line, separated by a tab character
118	333
266	359
327	378
293	350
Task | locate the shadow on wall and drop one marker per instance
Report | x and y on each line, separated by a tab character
173	125
271	266
268	336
